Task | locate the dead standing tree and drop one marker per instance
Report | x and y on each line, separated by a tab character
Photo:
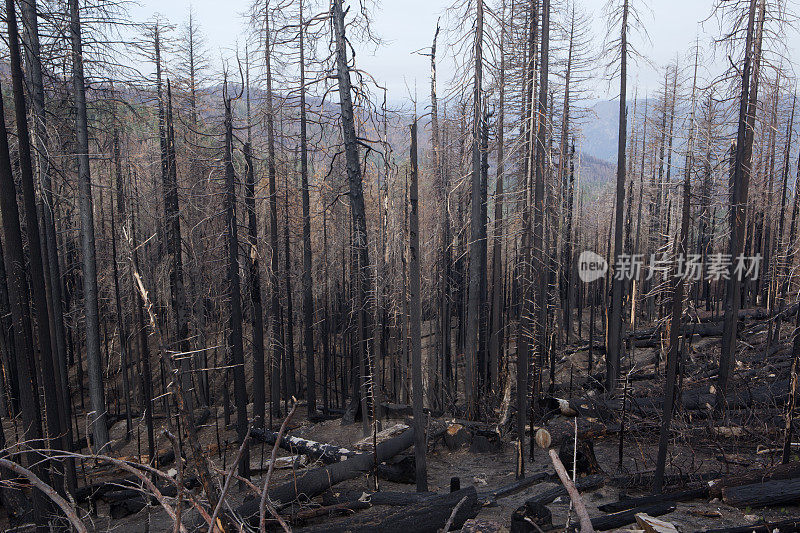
740	186
88	243
614	340
674	354
234	290
477	231
362	270
420	444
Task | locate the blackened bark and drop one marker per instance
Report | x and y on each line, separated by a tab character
420	445
172	227
235	303
741	183
613	341
308	296
473	325
33	67
19	294
677	309
276	315
495	328
259	393
88	259
361	274
48	356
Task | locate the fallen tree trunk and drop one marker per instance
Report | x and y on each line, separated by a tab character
316	451
623	518
645	479
391	498
330	510
513	488
756	313
765	494
784	526
679	496
583	484
427	516
782	471
313	482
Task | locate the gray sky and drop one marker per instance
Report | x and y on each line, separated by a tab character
408	25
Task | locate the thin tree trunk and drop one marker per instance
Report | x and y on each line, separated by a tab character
524	321
420	445
539	244
677	309
89	261
495	330
172	226
122	330
259	401
235	304
613	341
361	276
473	323
741	183
276	316
308	295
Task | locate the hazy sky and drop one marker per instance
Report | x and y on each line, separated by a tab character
408	25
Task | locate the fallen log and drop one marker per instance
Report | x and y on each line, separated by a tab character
316	451
313	482
400	410
391	498
398	472
427	516
483	525
583	484
366	444
623	518
766	494
783	526
94	491
645	479
713	322
679	496
330	510
512	488
783	471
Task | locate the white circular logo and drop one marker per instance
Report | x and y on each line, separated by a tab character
591	266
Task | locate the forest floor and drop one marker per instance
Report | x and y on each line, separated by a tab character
702	447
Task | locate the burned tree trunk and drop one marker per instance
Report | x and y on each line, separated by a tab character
361	274
14	257
677	310
740	184
415	322
276	316
474	314
235	303
172	236
614	340
88	259
308	296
